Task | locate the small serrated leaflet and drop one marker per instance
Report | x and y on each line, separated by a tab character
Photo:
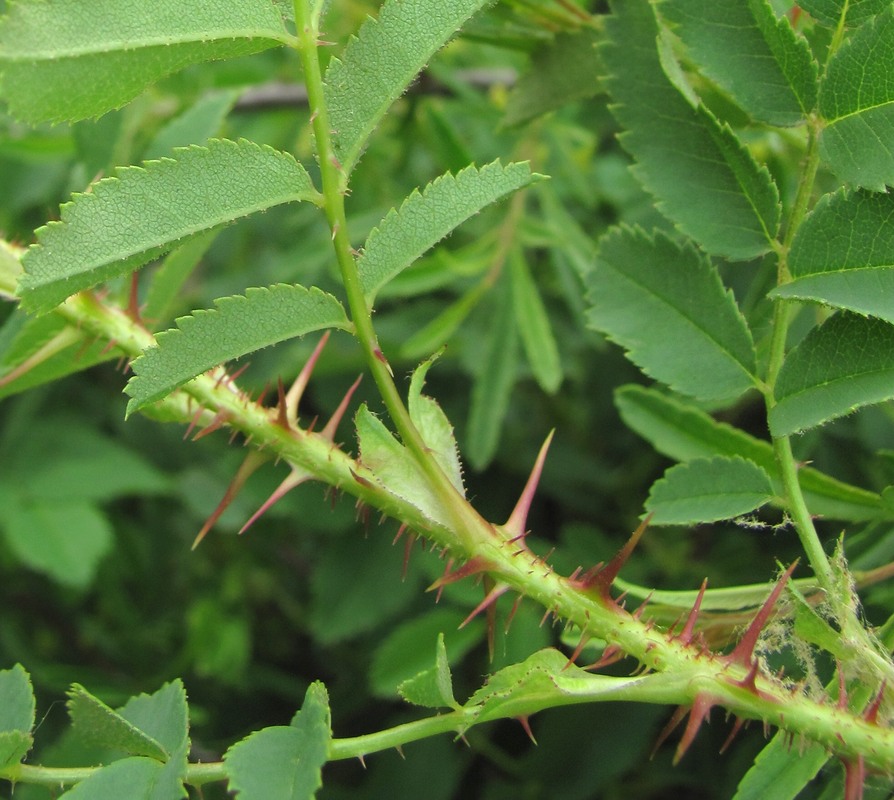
141	213
237	326
426	217
380	62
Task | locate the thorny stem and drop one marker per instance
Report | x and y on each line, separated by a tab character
334	186
689	673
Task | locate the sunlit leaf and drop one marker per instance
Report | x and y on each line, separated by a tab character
128	220
60	64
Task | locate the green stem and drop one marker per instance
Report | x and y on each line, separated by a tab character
334	186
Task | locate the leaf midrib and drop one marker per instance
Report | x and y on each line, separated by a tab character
57	54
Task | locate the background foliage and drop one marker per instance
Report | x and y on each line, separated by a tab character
248	623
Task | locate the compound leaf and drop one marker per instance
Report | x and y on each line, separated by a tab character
284	762
857	102
381	61
845	363
424	219
60	64
843	254
683	432
752	54
708	489
126	221
702	177
665	304
239	325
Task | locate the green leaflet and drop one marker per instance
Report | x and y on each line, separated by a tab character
135	778
284	763
239	325
780	771
432	688
163	715
434	427
707	490
16	715
665	304
843	254
857	102
96	722
828	12
424	219
381	61
684	432
61	64
548	677
394	467
751	53
562	71
845	363
702	177
128	220
153	726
